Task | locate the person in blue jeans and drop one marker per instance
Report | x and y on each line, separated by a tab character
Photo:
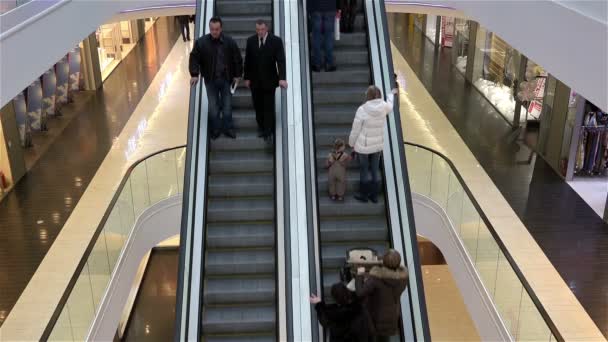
217	58
367	140
323	16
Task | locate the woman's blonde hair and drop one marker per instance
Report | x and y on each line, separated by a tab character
372	93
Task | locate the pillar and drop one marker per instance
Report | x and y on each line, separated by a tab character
576	134
90	63
521	75
14	150
473	29
553	123
138	30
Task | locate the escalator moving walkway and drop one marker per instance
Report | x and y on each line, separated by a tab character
239	301
336	97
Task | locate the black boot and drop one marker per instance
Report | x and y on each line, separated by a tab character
363	194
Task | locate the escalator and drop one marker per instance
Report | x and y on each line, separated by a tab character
363	58
335	98
259	233
231	292
239	275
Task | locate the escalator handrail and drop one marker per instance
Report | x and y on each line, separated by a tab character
399	204
299	207
281	191
188	299
539	306
83	261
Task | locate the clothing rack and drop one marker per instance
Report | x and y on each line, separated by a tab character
592	152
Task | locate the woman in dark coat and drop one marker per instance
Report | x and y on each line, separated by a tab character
347	320
381	294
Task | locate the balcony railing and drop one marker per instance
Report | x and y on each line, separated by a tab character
149	181
432	175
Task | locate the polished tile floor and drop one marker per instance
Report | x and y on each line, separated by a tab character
33	214
594	190
570	233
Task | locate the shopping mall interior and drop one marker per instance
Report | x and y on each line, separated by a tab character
125	215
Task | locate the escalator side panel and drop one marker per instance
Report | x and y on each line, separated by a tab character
403	230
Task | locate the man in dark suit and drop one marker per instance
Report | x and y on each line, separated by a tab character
184	25
264	71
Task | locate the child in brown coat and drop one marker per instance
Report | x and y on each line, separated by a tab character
337	161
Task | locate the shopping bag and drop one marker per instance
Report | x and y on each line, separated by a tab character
337	25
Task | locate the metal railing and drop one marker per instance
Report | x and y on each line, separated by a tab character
150	180
433	175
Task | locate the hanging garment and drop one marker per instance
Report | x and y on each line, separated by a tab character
580	153
603	154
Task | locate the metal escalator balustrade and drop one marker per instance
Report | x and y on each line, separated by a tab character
361	60
229	263
523	316
143	185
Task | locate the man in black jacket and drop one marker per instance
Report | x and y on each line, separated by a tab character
217	58
264	71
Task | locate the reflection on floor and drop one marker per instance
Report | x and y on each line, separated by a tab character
41	142
153	315
32	215
570	233
449	318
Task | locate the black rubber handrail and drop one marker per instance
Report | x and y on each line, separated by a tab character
499	242
85	257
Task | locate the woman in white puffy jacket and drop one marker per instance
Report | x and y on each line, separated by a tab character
367	139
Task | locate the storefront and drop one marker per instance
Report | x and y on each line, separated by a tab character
25	120
116	40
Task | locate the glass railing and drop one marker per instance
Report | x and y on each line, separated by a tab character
434	176
155	178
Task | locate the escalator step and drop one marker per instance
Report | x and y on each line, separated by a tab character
224	235
239	320
240	290
241	262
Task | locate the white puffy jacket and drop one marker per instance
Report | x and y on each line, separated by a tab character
367	134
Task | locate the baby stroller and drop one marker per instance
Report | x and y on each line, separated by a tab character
357	257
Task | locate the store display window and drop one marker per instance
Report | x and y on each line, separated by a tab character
592	149
495	74
115	41
460	45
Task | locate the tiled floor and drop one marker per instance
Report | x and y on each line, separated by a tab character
449	319
570	233
593	190
34	213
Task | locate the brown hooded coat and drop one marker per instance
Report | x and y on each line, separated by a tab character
381	294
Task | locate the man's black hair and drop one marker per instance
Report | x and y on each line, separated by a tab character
216	20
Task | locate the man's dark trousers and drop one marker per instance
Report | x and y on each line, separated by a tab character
263	102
